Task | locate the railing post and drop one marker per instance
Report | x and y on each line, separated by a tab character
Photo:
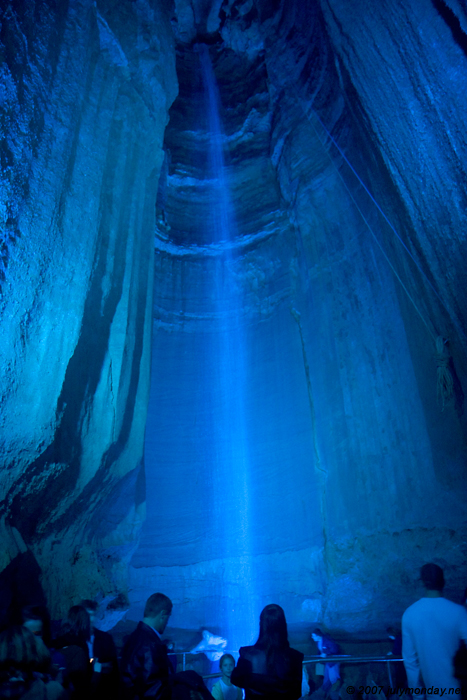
389	672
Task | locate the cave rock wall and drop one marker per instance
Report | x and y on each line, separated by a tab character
86	88
356	472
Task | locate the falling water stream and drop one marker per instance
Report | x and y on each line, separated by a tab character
231	508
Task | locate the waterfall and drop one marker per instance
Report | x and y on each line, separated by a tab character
230	381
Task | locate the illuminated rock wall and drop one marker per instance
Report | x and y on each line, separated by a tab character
86	92
356	475
349	474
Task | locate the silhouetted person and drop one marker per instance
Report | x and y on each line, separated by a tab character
432	629
24	664
73	645
32	617
105	678
327	647
270	668
460	660
145	666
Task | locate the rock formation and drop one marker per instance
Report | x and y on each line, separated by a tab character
344	155
85	97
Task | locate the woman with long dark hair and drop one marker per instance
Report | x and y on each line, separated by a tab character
73	646
270	668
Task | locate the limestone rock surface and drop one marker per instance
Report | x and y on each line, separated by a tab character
295	449
342	137
86	89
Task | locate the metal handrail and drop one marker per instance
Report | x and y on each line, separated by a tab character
197	653
348	659
336	658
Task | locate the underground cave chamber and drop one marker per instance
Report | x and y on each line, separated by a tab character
233	396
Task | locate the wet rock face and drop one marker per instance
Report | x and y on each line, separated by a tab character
355	472
355	476
86	93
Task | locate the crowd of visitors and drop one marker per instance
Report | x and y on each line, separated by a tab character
81	662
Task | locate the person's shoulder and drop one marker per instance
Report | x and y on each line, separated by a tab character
141	635
295	654
104	638
247	650
452	608
216	687
36	690
426	605
55	691
451	604
412	609
438	603
145	632
104	645
330	643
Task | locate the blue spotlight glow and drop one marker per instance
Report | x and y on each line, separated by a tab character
230	378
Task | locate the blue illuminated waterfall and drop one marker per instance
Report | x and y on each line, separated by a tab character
230	379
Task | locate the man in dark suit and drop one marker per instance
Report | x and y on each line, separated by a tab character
145	664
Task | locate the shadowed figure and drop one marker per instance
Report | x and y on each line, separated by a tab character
432	630
270	668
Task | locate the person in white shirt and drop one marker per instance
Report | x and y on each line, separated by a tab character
224	689
432	629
